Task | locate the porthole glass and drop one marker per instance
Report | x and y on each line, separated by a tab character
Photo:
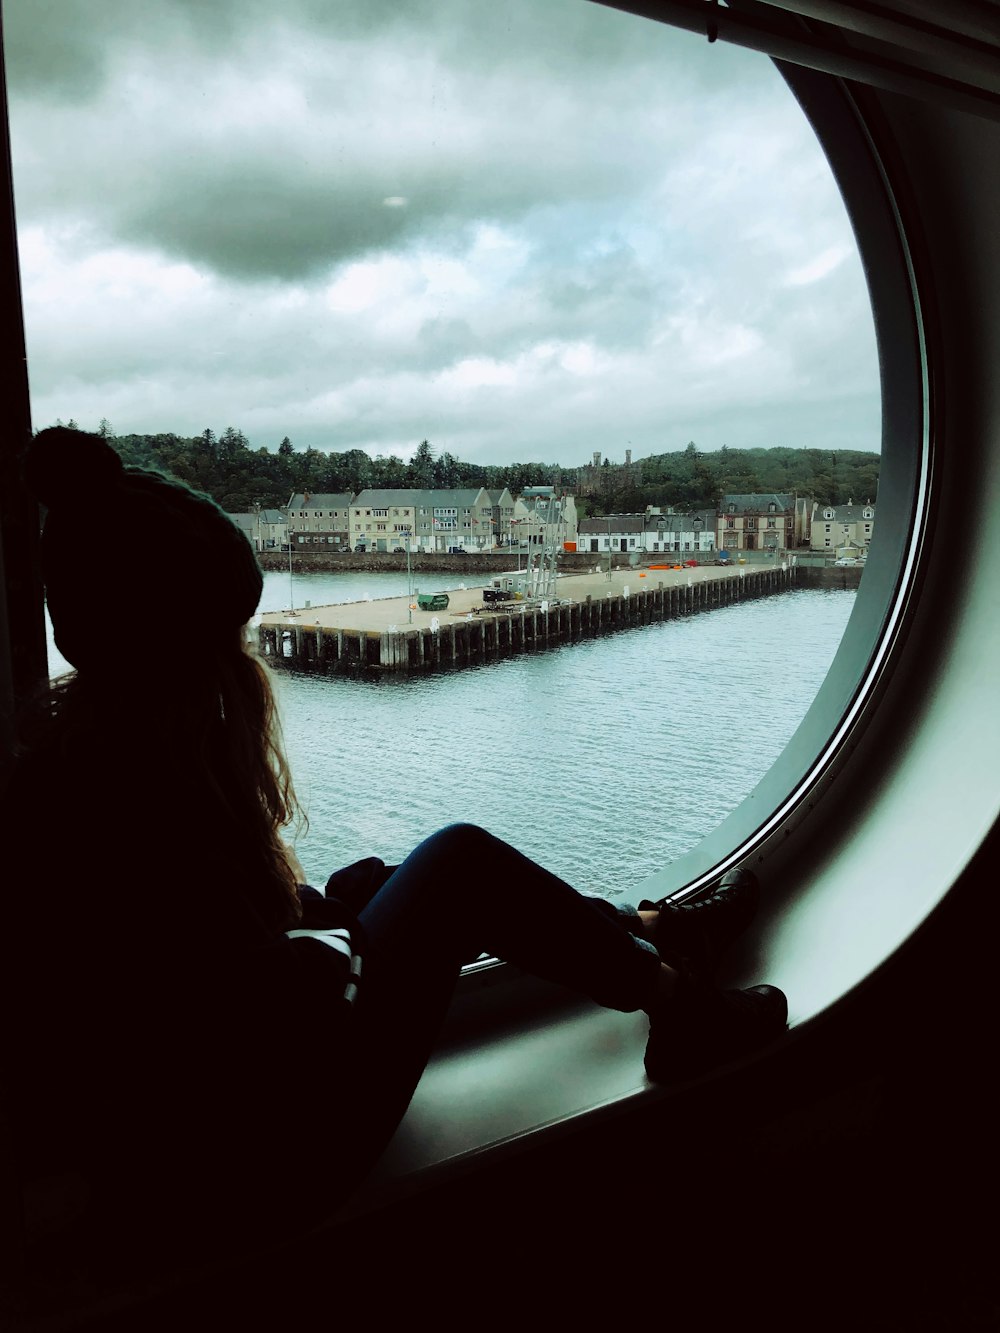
550	235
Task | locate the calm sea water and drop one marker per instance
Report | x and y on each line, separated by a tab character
603	759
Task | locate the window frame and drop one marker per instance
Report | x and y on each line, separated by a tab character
769	822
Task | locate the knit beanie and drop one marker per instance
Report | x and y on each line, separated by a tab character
174	567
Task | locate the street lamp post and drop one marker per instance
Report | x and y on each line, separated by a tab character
291	585
409	578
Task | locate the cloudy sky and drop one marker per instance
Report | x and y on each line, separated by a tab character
522	229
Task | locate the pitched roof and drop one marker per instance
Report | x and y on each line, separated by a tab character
619	523
423	499
843	513
682	522
320	501
756	503
245	522
248	521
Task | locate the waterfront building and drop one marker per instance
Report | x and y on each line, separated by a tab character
435	520
613	532
319	520
503	516
842	530
540	508
761	522
265	529
680	534
657	531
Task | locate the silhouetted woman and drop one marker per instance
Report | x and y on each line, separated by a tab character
183	1006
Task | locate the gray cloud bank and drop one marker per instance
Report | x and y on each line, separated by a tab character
519	230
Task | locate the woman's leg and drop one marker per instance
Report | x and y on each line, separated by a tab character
459	893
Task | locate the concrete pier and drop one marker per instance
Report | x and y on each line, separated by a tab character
392	635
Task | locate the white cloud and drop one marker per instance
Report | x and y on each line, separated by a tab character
819	267
538	233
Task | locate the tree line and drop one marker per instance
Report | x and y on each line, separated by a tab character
691	479
238	476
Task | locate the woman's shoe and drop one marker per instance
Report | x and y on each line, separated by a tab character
698	932
701	1028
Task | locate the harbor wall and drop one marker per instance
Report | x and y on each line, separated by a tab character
465	641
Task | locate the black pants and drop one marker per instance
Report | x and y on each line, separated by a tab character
460	893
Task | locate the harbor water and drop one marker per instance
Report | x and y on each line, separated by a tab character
602	759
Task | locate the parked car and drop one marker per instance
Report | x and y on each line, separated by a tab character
399	550
690	564
360	548
456	550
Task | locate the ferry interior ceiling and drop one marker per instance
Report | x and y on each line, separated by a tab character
845	1176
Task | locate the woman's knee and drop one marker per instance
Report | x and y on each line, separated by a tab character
460	839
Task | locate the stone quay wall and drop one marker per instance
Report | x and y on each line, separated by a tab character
522	628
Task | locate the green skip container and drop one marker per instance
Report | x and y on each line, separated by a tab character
432	601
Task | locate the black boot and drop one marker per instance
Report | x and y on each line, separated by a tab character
700	1028
696	933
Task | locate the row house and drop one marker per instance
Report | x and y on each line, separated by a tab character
761	522
657	531
680	534
264	529
842	530
442	520
319	520
503	516
613	532
542	515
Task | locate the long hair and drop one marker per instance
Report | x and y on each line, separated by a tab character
206	733
249	755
